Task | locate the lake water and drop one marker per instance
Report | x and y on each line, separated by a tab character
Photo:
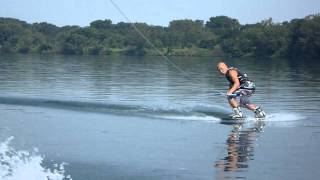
103	117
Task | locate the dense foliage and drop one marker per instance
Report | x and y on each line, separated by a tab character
299	38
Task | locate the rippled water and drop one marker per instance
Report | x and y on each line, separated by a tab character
139	118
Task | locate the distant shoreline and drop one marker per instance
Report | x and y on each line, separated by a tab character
219	36
121	54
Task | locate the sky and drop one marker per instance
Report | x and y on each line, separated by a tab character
154	12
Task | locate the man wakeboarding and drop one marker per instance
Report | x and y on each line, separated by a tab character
240	88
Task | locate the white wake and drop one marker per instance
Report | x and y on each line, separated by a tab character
23	165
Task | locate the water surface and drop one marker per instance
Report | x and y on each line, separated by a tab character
140	118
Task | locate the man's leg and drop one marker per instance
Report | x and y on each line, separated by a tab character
236	110
251	107
245	102
233	102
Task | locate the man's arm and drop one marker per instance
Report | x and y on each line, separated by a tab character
236	84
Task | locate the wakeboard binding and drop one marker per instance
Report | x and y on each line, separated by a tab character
237	114
259	113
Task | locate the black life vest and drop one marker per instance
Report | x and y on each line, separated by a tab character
243	77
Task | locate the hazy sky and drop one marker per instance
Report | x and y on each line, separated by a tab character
156	12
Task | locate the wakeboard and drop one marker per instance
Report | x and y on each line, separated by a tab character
230	121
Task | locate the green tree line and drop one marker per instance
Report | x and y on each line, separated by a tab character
221	35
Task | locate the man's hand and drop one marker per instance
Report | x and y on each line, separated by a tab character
231	95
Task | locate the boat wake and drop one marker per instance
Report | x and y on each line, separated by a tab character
191	112
186	112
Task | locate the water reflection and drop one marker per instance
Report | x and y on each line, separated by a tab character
240	149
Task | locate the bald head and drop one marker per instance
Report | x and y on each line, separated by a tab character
222	67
